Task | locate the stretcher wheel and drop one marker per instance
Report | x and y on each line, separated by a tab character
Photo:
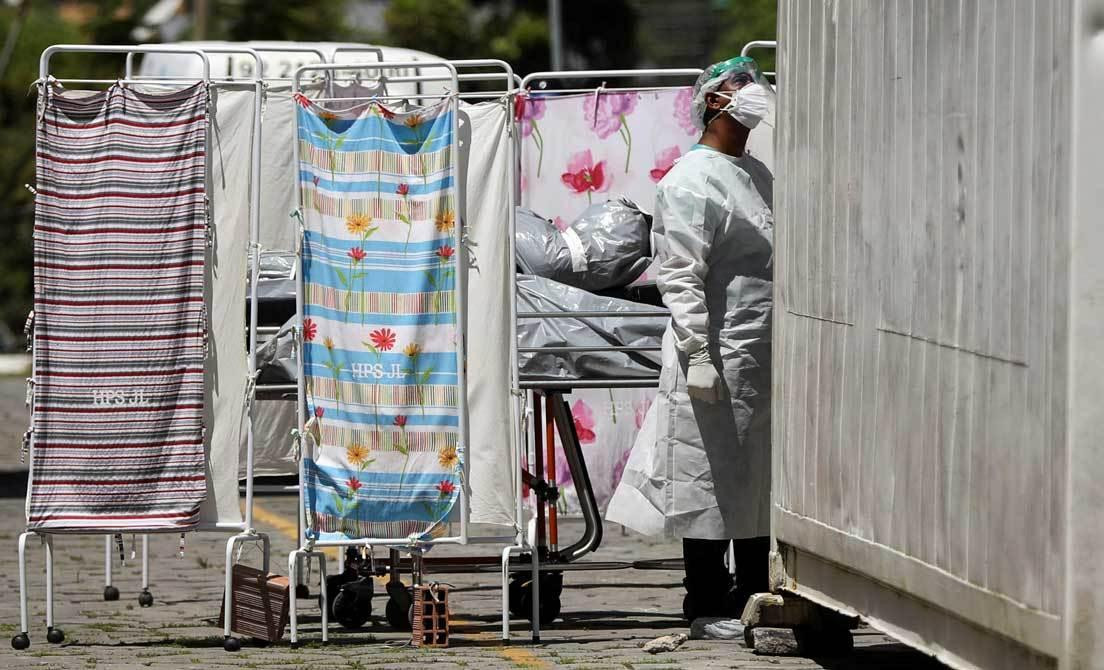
111	593
231	644
21	642
145	599
521	596
334	584
399	606
55	636
352	606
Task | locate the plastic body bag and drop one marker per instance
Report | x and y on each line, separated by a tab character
536	294
608	246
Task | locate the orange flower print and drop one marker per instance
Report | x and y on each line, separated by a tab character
413	121
412	350
445	221
447	457
357	455
328	343
357	224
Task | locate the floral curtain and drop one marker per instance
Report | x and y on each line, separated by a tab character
585	148
380	335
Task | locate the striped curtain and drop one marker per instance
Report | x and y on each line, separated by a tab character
119	243
380	351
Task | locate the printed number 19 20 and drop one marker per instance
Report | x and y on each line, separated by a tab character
118	397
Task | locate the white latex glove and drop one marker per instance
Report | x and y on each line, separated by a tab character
702	381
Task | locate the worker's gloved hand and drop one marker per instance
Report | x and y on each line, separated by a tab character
702	381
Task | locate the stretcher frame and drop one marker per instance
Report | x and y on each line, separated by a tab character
309	548
244	531
555	417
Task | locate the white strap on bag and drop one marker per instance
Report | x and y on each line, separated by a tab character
575	248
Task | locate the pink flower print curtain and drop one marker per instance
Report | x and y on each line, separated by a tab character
585	148
581	149
606	423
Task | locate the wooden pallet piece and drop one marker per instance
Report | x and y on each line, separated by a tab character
259	604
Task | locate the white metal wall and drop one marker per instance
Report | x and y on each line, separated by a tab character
922	317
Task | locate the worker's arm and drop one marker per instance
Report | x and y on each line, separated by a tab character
686	238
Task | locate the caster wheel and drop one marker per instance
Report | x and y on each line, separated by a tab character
21	642
302	591
55	636
352	607
334	583
231	644
551	588
145	599
399	606
111	593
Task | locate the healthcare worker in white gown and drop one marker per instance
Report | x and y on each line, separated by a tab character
700	468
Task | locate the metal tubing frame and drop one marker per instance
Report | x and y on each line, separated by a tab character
296	560
759	44
249	533
527	82
44	59
107	561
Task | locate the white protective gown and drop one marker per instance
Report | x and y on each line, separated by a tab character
702	470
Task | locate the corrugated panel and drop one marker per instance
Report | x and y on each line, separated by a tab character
922	310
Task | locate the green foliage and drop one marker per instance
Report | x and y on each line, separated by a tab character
599	34
743	21
38	28
441	27
301	20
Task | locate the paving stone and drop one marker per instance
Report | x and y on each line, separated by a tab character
607	615
775	641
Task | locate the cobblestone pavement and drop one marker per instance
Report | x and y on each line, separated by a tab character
607	615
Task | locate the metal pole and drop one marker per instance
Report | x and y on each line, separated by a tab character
107	562
49	581
555	27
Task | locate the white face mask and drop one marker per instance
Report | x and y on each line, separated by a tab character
749	106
